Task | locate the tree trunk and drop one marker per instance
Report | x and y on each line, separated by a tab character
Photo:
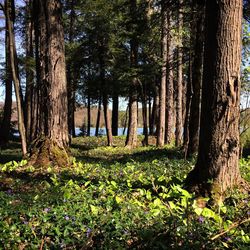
107	121
89	115
29	73
145	115
162	100
131	140
13	63
125	121
6	121
71	77
155	111
115	114
51	145
198	41
179	87
105	94
170	86
217	166
98	117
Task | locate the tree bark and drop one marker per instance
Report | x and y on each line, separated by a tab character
14	69
198	41
51	145
217	167
115	114
131	140
162	100
29	73
6	121
179	87
170	86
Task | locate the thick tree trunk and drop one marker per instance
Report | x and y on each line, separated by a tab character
51	145
198	41
179	87
162	100
169	133
219	134
115	114
15	76
6	121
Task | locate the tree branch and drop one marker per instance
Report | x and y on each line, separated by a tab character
234	225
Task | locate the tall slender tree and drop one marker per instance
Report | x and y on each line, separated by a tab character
131	140
198	47
10	17
217	166
179	83
162	100
6	120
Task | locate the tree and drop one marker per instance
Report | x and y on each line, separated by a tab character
217	165
197	63
170	82
10	17
179	84
51	143
131	140
162	99
6	120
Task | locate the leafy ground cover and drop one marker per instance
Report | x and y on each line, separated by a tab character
115	198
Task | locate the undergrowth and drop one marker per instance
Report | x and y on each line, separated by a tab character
115	198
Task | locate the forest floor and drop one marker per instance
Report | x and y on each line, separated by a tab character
115	198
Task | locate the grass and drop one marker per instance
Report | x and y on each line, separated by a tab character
115	198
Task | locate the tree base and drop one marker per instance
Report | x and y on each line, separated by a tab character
202	184
46	152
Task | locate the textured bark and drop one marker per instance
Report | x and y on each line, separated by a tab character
51	145
131	140
162	100
170	87
29	73
6	121
198	41
217	164
179	86
115	114
15	75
